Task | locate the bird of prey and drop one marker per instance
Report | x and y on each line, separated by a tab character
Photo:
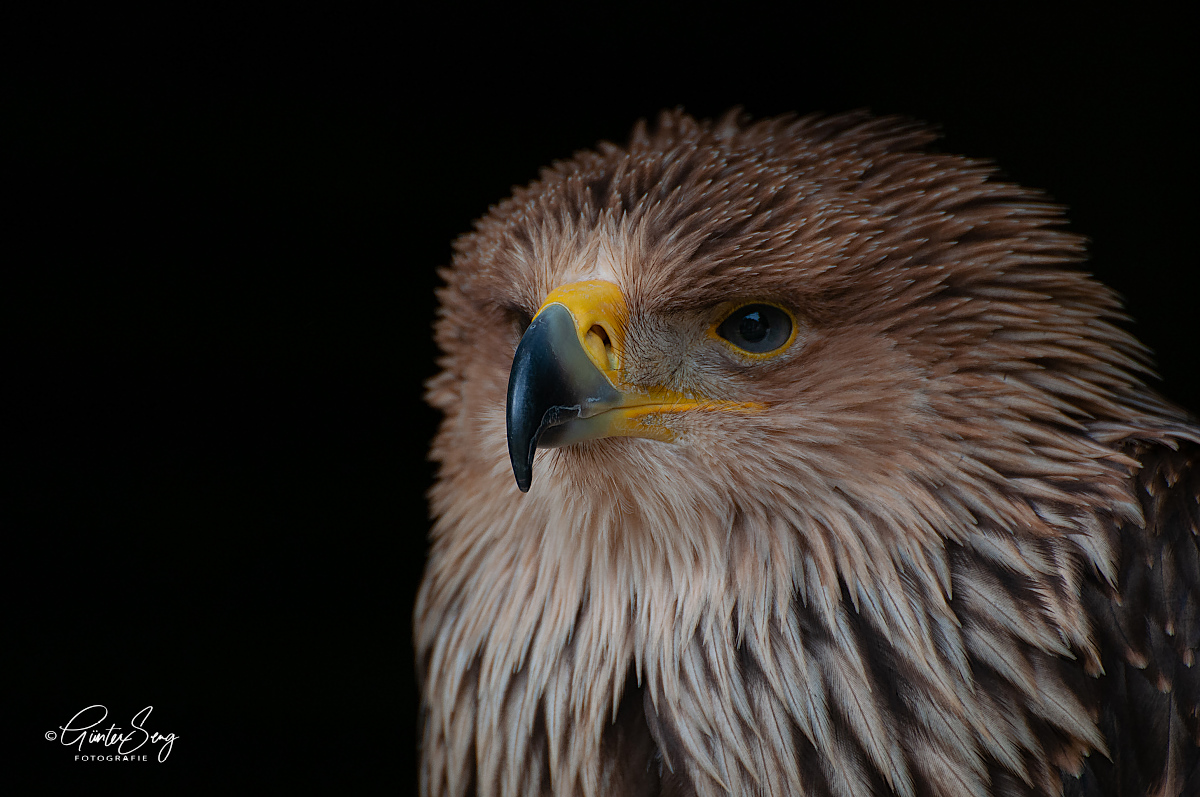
833	476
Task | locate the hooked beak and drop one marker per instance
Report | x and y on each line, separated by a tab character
565	385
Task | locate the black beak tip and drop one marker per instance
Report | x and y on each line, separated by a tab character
520	451
524	475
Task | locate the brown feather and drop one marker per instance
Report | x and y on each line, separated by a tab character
957	554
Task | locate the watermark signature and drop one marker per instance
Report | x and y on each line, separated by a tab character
87	728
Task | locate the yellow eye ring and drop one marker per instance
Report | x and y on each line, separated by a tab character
757	330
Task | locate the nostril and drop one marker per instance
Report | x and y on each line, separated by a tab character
600	343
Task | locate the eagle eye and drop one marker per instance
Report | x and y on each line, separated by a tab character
757	328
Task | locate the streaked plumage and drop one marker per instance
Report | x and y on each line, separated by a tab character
954	552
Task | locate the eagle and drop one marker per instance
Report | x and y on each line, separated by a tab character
793	456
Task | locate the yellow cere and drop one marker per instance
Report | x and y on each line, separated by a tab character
598	307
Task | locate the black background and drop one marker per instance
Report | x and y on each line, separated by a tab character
223	227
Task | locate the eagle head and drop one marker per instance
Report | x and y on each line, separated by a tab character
816	435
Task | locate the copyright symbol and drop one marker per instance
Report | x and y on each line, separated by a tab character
51	736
